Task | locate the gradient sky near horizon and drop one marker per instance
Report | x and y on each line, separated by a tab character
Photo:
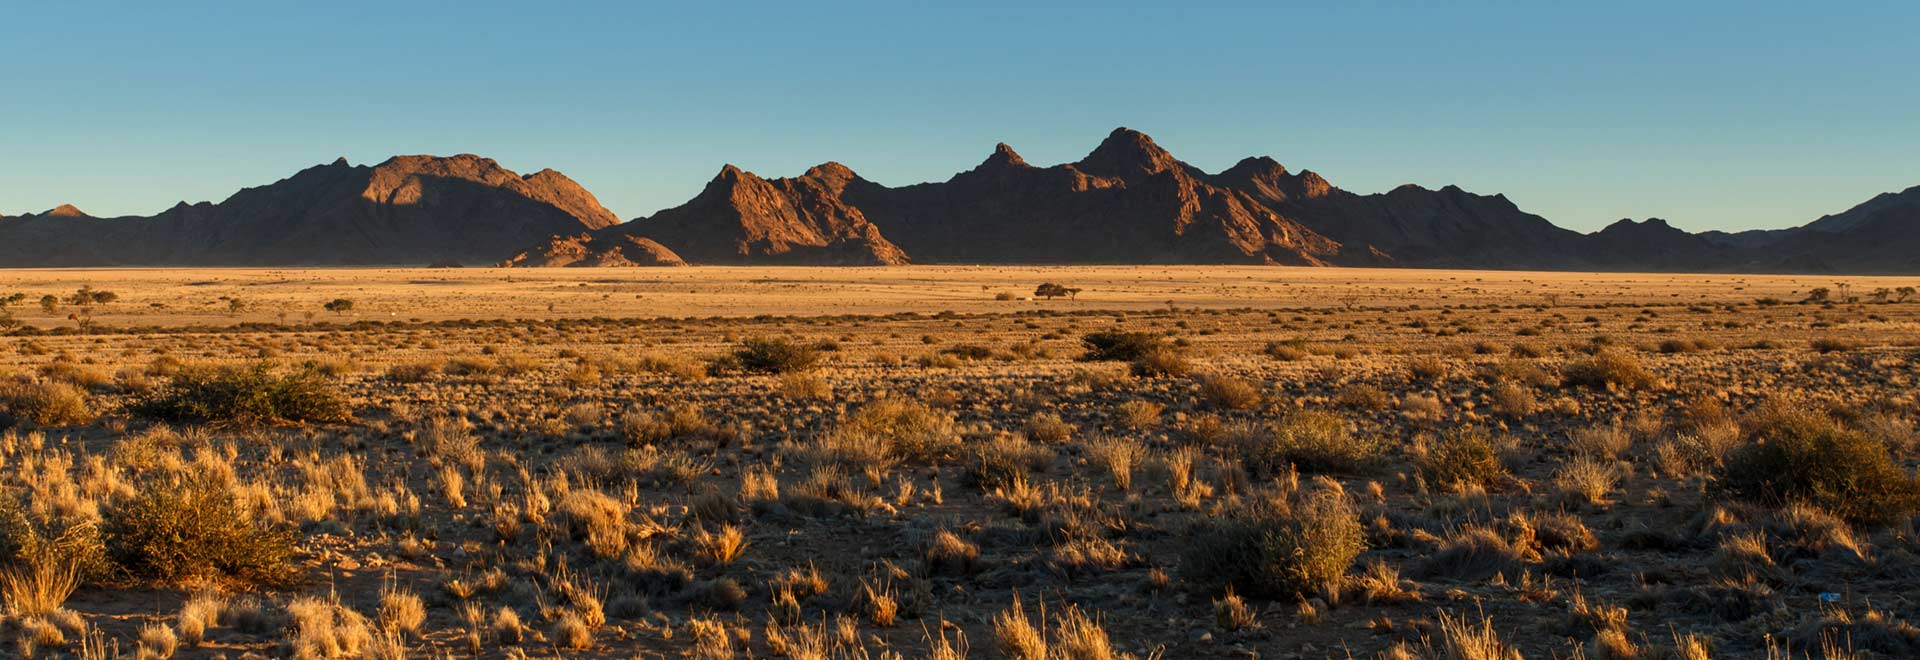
1714	115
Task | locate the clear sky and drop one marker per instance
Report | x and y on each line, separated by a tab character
1713	115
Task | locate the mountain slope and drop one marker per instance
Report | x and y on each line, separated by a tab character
1128	201
409	209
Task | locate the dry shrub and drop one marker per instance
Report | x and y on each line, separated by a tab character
1799	456
1586	480
722	547
246	396
1119	455
1016	636
157	642
1122	346
414	372
324	628
1429	370
1461	640
1607	442
1004	460
1380	583
1047	428
1273	548
1077	636
1287	351
199	613
678	424
1514	401
573	634
803	385
948	554
776	355
401	611
1477	552
1608	370
1231	613
1460	458
1166	361
39	586
49	403
887	430
194	528
1361	396
1138	414
1833	345
1222	392
1312	441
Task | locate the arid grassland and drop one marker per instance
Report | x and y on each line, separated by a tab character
815	463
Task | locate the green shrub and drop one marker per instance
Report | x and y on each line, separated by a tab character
1274	550
49	403
775	355
1312	441
194	528
1460	458
1797	456
1607	370
1121	346
246	396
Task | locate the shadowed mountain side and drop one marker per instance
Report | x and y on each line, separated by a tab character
584	251
409	209
1128	201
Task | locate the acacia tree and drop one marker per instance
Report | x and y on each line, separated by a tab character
7	322
339	306
87	296
1052	290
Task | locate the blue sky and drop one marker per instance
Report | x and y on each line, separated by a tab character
1713	115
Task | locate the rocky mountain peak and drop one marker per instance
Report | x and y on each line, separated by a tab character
1127	154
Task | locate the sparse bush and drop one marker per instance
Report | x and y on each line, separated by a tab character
1513	401
1228	393
1463	457
888	430
1003	461
49	403
1167	361
193	528
1608	370
1794	455
1286	351
1361	396
1272	549
246	396
1121	346
1138	414
1312	441
1833	345
775	355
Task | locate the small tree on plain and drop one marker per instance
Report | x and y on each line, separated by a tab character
1051	290
339	306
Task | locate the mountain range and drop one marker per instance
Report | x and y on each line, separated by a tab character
1129	201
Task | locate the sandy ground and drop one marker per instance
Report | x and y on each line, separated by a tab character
191	296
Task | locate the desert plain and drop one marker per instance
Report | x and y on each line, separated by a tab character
934	462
